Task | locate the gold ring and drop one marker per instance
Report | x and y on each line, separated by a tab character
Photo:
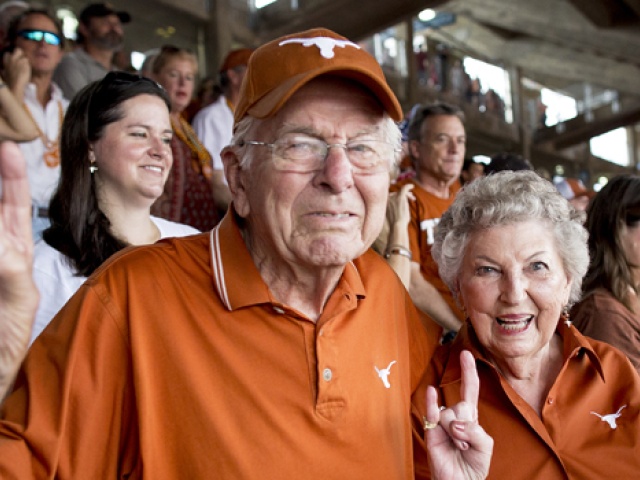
427	425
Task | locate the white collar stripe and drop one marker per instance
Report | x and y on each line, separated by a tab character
217	266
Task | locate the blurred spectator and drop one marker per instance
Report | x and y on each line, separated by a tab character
574	190
208	92
122	61
437	144
188	196
507	161
441	62
471	170
458	78
8	11
39	35
146	70
474	93
422	64
214	123
494	104
610	307
100	35
542	113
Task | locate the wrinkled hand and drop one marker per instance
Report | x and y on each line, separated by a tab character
398	210
458	446
18	292
17	70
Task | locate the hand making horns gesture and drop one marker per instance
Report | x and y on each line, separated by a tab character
458	446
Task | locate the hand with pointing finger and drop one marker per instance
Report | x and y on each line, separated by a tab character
458	446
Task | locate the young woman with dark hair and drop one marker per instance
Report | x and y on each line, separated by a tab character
610	308
115	160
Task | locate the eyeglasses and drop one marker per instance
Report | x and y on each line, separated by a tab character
303	154
49	38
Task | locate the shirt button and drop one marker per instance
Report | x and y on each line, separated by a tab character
321	333
550	401
278	310
327	374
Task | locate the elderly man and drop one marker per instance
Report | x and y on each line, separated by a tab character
277	345
100	36
437	142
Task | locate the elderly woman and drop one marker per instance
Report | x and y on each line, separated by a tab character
610	307
557	404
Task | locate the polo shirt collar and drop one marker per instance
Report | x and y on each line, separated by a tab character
236	279
574	344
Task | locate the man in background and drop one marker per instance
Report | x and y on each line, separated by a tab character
471	170
100	35
214	123
9	10
437	144
38	34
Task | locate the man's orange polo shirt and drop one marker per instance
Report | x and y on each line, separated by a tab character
590	422
174	361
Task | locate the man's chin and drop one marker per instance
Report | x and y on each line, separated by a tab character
332	252
109	43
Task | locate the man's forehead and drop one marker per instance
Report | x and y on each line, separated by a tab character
443	123
112	17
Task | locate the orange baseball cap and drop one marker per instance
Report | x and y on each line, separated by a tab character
236	58
279	68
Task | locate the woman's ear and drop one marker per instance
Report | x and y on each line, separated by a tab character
236	178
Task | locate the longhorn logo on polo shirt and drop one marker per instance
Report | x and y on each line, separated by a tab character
610	418
324	44
383	373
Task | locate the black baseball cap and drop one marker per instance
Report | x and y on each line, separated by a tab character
102	10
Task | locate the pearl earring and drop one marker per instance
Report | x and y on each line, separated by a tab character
93	168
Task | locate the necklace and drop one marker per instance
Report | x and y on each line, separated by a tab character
51	153
200	157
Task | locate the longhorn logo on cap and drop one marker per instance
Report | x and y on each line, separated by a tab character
324	44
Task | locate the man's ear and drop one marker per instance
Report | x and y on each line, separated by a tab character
236	178
414	146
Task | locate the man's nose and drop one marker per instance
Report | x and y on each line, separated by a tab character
337	171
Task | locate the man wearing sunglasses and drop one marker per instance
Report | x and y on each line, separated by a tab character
100	35
38	35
